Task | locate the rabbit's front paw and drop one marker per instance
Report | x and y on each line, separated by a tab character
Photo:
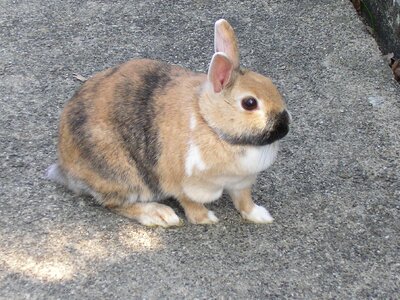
205	217
258	214
197	213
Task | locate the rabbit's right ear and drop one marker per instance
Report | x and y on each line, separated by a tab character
220	71
225	41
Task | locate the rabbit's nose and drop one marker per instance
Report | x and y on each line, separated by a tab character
281	125
284	117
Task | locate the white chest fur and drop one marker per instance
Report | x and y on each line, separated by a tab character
257	159
194	160
252	161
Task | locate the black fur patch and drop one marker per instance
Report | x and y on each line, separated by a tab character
279	130
78	118
134	117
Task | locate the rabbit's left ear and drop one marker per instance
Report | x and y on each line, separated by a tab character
220	71
225	41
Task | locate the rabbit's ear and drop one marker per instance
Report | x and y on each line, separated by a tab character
225	41
220	71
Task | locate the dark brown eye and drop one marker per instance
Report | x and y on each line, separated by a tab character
249	103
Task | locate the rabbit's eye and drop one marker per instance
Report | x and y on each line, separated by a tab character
249	103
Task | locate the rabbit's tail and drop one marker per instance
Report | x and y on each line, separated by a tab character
57	174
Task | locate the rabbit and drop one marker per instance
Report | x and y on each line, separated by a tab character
146	130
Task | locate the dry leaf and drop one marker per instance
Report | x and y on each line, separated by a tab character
357	5
79	77
396	69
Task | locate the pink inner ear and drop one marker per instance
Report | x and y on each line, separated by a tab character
224	74
220	72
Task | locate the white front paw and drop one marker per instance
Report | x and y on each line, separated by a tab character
258	215
212	217
204	217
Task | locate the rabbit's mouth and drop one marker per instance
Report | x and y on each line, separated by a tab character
269	135
265	138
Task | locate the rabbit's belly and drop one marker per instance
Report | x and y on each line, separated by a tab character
256	159
207	191
234	182
202	192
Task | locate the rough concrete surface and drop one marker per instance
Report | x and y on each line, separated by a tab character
334	191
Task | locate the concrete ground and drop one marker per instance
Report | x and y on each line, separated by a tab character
334	191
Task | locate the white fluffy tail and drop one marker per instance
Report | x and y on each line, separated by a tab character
56	174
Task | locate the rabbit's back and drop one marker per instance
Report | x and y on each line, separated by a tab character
109	133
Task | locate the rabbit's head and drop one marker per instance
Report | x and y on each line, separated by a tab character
241	106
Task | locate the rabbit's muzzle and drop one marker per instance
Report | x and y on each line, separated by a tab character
280	128
277	128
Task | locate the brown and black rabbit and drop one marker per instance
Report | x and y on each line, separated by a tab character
147	130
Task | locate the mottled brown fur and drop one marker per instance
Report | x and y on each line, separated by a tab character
147	130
